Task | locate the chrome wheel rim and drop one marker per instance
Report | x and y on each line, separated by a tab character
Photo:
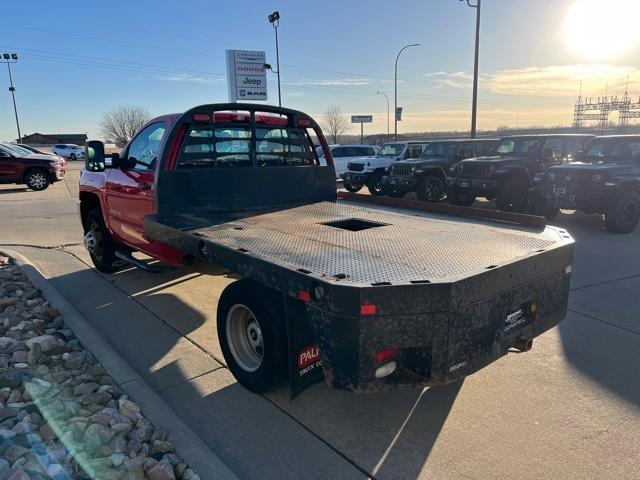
244	337
93	241
37	180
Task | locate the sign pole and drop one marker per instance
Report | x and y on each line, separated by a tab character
361	133
361	119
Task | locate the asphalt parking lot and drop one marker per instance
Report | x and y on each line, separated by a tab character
570	408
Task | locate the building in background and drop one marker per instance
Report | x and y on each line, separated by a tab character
48	139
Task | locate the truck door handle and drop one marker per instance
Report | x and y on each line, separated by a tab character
144	186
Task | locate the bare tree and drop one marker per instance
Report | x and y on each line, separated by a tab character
120	123
335	122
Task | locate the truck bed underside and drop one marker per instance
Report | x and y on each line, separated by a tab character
365	245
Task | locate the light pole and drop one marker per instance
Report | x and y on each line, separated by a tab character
274	19
387	98
474	101
395	110
10	58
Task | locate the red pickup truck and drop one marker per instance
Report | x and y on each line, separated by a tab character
366	292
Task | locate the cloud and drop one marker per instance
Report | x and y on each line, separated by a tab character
336	81
188	77
564	80
550	81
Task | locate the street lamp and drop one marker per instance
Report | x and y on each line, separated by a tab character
387	98
474	102
10	58
396	89
274	19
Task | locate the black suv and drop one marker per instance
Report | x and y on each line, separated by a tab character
427	175
605	179
508	175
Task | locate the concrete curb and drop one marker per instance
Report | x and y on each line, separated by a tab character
187	444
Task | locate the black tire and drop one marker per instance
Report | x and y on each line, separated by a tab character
431	189
37	179
263	307
103	250
623	212
513	196
539	206
461	198
375	186
73	156
351	187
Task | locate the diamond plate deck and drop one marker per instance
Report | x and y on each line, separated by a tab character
411	247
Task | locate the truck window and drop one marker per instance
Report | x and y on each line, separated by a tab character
144	148
552	148
212	146
572	146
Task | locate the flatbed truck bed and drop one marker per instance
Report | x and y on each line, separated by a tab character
366	292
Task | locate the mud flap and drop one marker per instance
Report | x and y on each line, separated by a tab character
305	366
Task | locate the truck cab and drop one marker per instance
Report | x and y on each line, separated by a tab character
605	179
369	171
427	175
507	176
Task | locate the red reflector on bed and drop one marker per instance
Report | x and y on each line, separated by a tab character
386	354
304	295
367	309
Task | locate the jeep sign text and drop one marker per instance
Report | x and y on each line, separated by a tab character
246	75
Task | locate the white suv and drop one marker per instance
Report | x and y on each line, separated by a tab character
343	154
68	150
369	171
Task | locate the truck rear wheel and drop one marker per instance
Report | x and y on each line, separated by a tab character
375	186
353	188
99	242
252	335
460	198
430	189
513	196
37	179
623	212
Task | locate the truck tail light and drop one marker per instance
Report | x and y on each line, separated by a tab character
304	122
304	295
367	309
386	354
201	117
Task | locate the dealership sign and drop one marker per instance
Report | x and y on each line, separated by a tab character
246	75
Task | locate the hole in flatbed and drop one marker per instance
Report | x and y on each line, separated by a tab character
490	267
244	250
304	270
541	250
420	281
238	228
379	284
354	224
340	276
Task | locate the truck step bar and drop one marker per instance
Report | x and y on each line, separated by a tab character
517	218
128	258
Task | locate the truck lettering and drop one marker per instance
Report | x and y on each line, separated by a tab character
308	355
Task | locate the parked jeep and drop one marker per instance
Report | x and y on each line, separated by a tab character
369	171
508	175
427	175
37	171
605	180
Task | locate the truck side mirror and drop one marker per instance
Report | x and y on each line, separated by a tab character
94	161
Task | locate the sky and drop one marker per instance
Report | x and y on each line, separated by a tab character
78	59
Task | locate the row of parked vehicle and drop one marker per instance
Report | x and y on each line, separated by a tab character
537	174
22	164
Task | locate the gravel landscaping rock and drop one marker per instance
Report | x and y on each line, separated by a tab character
62	416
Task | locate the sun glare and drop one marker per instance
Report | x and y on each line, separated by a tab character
602	29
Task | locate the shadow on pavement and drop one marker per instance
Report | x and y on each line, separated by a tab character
323	433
